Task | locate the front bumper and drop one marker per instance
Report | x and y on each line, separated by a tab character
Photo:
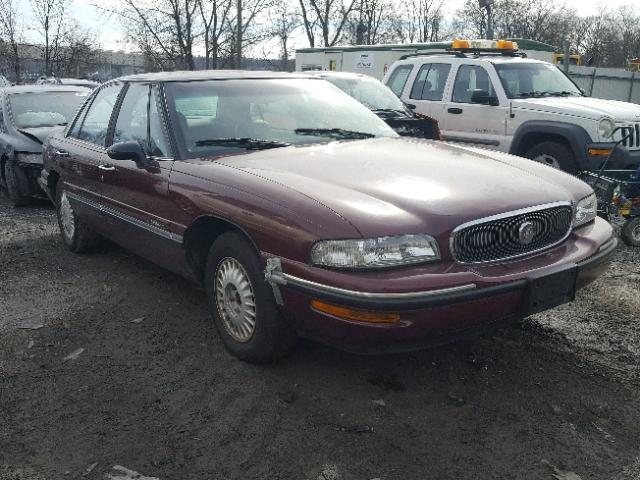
434	316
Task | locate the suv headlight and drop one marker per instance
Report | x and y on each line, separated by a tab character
586	210
375	252
606	127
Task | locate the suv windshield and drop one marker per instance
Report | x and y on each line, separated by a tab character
216	115
524	80
369	92
46	109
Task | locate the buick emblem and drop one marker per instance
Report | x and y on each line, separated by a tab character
526	233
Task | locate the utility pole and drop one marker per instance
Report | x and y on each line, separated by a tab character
567	56
239	36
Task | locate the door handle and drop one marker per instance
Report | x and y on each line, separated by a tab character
106	167
62	153
454	110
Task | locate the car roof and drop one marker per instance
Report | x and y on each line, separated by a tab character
332	74
188	76
43	88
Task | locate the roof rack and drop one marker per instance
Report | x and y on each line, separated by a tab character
476	52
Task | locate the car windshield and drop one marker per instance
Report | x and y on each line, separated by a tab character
216	115
524	80
369	92
46	109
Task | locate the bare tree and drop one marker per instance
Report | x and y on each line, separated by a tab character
215	20
326	18
50	18
283	24
10	31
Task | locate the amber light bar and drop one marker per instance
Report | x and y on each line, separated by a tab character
355	315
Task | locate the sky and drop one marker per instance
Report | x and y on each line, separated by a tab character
111	37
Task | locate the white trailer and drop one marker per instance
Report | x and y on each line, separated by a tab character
375	60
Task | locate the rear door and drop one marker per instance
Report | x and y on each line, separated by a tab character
135	195
81	155
427	89
480	124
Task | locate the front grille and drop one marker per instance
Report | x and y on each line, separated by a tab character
512	234
633	140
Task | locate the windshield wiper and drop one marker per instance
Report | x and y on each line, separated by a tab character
388	110
248	143
338	133
563	93
534	93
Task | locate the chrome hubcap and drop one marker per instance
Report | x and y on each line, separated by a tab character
235	300
66	216
547	160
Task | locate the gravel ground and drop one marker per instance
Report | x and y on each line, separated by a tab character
111	369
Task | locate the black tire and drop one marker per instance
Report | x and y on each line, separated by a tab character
16	179
271	337
630	233
555	155
80	238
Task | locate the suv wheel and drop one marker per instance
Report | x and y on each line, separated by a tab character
76	236
244	310
631	232
15	179
554	154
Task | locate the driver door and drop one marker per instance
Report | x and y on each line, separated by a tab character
480	124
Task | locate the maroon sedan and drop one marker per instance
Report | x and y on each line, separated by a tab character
303	213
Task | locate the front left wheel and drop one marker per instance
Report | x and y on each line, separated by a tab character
16	179
243	306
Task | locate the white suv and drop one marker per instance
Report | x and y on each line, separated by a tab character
517	105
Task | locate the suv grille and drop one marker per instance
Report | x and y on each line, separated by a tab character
633	130
513	234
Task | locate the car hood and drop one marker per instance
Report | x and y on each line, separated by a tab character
39	134
404	185
586	107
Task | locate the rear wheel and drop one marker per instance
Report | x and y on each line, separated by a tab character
244	309
553	154
16	179
76	236
631	232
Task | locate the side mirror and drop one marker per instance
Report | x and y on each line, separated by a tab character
130	150
483	97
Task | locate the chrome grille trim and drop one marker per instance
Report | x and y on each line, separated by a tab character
512	213
633	130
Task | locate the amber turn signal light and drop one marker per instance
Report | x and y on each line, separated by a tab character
599	152
355	315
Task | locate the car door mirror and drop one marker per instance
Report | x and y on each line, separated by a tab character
482	97
130	150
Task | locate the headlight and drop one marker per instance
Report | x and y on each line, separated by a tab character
606	127
375	252
586	210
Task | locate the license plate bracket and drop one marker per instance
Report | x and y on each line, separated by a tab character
552	290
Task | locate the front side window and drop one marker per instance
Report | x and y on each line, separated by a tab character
523	80
44	109
95	125
430	82
398	79
133	117
158	146
469	79
213	116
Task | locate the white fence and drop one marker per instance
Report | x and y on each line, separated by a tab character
609	83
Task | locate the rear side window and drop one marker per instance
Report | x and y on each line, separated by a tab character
398	79
96	123
430	81
468	79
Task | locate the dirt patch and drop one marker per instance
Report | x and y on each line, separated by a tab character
84	385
